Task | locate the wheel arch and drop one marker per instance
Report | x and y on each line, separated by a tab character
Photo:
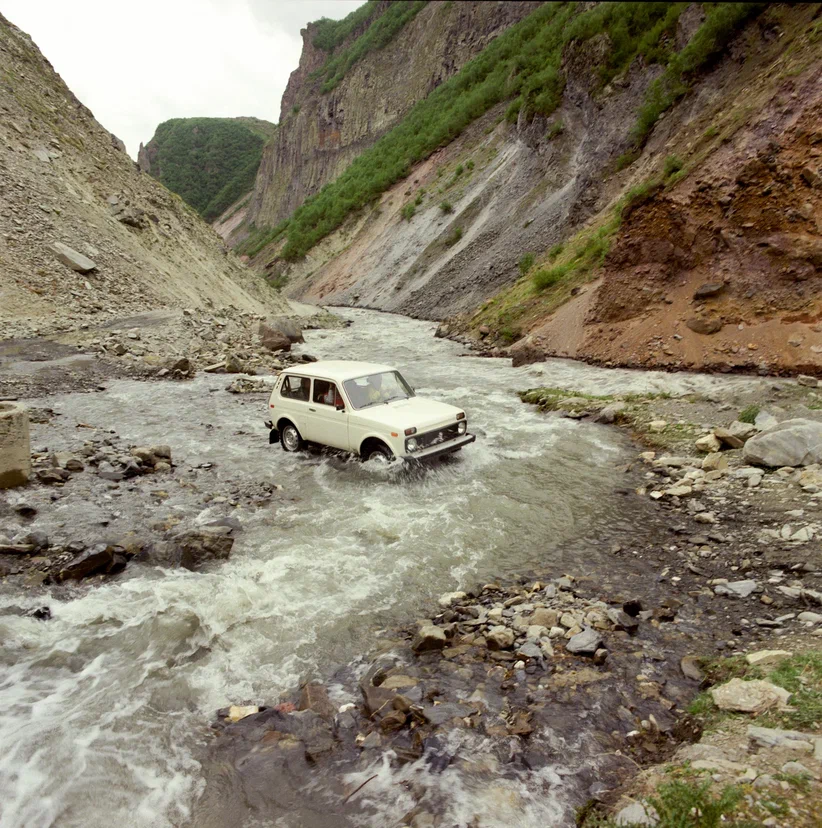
370	443
284	421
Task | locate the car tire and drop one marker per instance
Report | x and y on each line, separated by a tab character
379	454
290	438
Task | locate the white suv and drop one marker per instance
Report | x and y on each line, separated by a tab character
366	409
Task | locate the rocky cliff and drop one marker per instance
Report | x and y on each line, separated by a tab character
84	236
321	133
663	213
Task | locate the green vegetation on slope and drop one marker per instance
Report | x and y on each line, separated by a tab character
379	34
210	162
522	65
331	33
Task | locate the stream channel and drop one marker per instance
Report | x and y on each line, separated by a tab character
104	710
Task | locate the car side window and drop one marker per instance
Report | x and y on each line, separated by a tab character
326	393
295	388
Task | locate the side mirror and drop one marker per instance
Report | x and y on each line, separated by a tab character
340	406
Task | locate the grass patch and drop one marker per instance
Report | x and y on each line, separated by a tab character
673	164
525	263
687	803
446	207
454	236
711	132
556	129
408	210
801	675
748	414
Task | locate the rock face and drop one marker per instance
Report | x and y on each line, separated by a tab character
320	134
15	446
80	203
795	442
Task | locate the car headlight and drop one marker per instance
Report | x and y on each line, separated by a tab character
411	445
462	426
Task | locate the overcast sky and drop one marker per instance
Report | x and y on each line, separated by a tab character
138	64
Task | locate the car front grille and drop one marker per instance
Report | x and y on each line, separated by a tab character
441	435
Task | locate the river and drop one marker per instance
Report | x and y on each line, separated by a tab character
104	709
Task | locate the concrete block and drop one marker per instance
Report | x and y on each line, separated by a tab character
15	445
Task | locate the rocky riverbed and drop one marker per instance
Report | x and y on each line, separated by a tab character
595	571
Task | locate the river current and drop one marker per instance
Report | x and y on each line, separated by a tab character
104	710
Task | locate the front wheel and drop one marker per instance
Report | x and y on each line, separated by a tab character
379	454
290	438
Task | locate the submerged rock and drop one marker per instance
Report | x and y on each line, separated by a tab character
193	549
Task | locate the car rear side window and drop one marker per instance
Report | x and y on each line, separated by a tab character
326	393
295	388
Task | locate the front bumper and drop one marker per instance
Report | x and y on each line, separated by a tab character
440	448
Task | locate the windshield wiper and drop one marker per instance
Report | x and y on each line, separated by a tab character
399	397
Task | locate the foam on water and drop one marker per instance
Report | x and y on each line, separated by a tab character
104	709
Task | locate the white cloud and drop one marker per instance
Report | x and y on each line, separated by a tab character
137	65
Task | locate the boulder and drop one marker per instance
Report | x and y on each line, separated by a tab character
795	442
715	461
233	365
807	381
283	326
429	638
585	643
499	638
611	413
742	431
737	589
95	560
708	443
71	258
728	439
15	445
767	658
763	421
275	341
749	696
710	289
636	814
526	352
704	326
193	549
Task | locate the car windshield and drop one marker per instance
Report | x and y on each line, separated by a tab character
376	389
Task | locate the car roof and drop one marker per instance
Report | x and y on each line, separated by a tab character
337	369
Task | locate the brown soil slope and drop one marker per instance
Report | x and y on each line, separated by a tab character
64	178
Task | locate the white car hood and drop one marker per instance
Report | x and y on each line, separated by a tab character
416	412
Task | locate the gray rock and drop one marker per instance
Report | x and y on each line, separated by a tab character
71	258
741	430
97	559
193	549
499	638
807	381
727	437
737	589
429	638
636	814
773	737
585	643
610	413
795	442
705	326
763	421
710	289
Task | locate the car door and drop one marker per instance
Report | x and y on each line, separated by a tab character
326	421
295	396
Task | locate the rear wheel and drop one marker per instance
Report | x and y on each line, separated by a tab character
290	438
379	454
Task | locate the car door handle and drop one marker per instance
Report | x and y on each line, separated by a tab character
312	409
